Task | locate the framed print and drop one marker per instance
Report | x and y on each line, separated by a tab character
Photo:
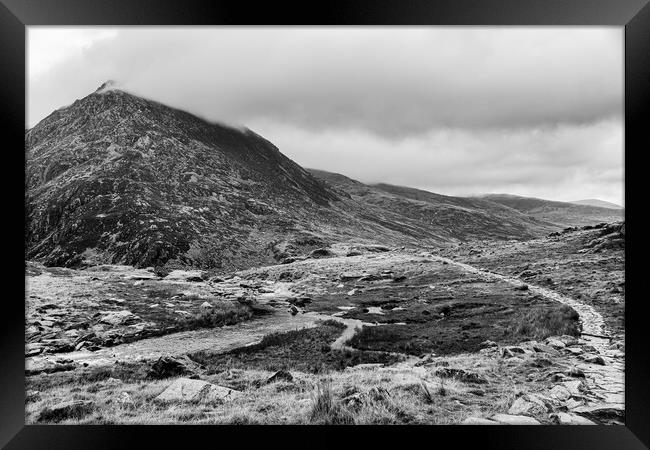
343	219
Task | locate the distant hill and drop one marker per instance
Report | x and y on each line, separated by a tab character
560	213
599	203
449	218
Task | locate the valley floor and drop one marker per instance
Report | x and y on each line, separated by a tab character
473	334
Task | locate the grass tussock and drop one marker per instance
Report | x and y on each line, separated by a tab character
328	409
216	317
542	322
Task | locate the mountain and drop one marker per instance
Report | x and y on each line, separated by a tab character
559	213
116	178
598	203
144	183
448	218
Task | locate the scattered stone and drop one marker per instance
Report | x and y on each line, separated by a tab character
541	348
574	350
509	352
188	390
347	276
461	375
399	278
594	359
280	375
568	340
74	409
523	287
353	401
478	421
514	419
555	343
125	400
351	292
119	318
293	310
560	392
166	367
575	373
488	343
574	386
562	418
573	403
354	253
110	381
300	301
320	253
606	414
527	405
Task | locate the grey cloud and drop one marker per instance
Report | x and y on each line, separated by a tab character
394	82
530	111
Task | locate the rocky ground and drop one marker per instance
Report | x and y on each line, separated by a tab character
345	334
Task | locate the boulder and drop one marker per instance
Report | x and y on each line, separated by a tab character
280	375
574	386
206	305
488	343
188	390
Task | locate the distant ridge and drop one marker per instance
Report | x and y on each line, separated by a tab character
599	203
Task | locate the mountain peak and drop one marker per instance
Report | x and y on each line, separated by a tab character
107	85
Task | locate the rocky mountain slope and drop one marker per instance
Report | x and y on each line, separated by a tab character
559	213
115	178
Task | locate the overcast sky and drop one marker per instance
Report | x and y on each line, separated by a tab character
533	111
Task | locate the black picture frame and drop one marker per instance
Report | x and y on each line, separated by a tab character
634	15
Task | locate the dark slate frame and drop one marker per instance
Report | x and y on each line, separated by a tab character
15	15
